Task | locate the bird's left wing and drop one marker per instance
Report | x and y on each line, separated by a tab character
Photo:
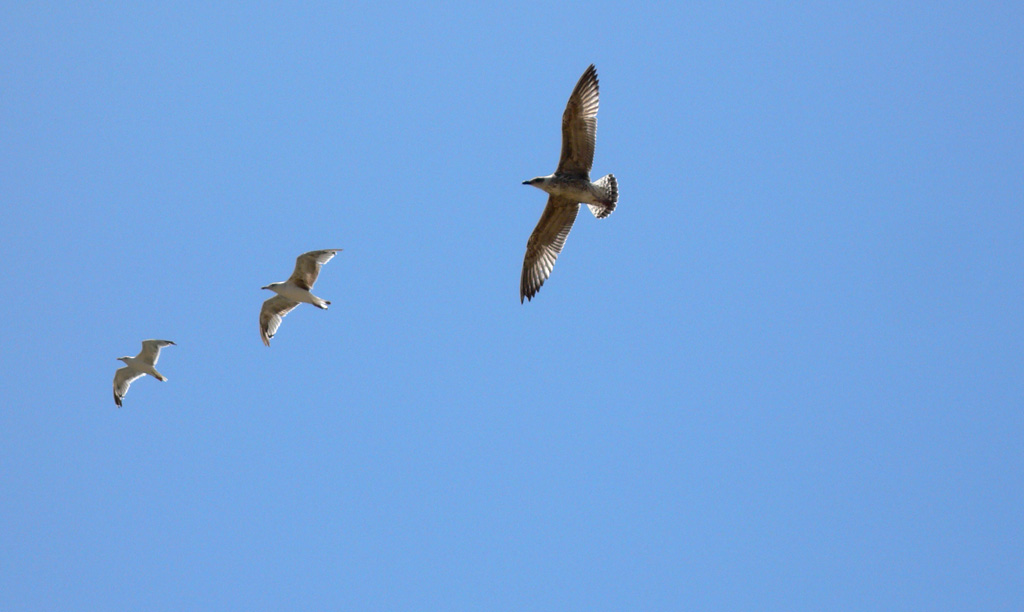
545	244
123	378
271	314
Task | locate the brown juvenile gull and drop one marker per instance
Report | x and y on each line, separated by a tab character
292	291
568	187
138	366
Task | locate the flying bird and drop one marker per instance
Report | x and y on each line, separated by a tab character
138	366
293	291
568	187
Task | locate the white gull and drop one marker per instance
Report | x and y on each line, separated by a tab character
138	366
568	186
293	291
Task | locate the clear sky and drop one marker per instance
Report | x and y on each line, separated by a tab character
786	374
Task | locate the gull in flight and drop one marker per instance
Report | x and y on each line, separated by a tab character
293	291
138	366
568	187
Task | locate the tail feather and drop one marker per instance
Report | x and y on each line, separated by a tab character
161	377
606	189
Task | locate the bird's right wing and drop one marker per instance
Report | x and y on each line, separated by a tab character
579	126
545	244
307	267
271	314
151	350
123	378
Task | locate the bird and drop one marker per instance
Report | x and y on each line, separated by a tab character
138	366
569	186
293	291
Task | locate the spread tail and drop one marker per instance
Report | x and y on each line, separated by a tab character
606	189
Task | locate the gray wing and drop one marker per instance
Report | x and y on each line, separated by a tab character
271	314
579	126
151	350
307	267
545	244
122	380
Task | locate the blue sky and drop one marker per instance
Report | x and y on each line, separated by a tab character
786	374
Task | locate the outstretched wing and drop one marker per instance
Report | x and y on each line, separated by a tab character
123	378
307	267
271	314
579	126
151	350
545	244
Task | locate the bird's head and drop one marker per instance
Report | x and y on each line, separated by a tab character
121	358
534	181
272	286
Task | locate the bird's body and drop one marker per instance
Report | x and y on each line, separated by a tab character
579	190
294	291
138	366
568	187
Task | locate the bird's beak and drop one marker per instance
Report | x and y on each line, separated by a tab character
526	182
264	287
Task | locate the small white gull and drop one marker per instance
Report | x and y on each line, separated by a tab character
293	291
568	186
138	366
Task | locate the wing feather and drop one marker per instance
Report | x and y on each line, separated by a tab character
151	350
307	267
271	314
545	244
123	378
579	126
